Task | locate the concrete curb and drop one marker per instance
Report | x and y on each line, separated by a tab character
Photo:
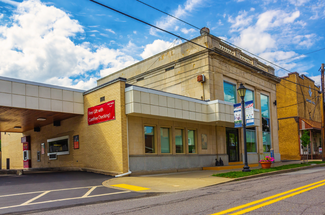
277	172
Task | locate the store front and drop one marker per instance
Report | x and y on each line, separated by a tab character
314	149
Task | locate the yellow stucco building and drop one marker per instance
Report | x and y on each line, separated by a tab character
299	109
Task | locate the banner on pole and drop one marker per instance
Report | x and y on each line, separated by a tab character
249	111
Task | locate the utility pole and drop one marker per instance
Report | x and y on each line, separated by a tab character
323	113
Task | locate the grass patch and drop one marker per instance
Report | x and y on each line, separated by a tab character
239	174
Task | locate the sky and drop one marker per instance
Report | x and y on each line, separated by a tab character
74	43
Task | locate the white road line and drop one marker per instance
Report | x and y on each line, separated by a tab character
74	188
89	191
39	196
58	200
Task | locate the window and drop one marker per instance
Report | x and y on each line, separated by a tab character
149	139
249	96
265	106
191	141
164	140
59	146
179	141
266	142
229	91
266	123
251	140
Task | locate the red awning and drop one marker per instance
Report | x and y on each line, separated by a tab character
305	124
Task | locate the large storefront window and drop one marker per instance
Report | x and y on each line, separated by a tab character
179	141
149	138
230	92
265	108
251	140
59	146
249	96
191	141
164	140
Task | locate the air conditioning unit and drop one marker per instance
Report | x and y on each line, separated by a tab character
53	156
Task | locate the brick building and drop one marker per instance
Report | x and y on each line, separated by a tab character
164	119
299	109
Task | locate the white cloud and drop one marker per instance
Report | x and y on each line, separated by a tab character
317	79
77	84
305	40
240	21
298	2
14	3
1	16
37	46
156	47
134	32
256	38
302	23
176	28
168	22
186	31
110	30
278	55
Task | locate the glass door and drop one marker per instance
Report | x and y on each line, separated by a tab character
232	144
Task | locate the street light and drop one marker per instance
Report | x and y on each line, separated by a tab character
242	91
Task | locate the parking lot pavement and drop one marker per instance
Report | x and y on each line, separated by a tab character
54	190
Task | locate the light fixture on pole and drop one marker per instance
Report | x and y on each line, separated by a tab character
242	91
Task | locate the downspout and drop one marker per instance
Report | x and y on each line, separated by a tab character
127	137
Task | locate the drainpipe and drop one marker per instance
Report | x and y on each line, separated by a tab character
127	137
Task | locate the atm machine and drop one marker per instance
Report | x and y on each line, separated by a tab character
26	151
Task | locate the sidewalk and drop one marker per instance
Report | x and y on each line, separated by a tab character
169	182
174	182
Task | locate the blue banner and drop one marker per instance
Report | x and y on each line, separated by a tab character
249	111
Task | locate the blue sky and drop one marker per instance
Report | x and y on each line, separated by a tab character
73	43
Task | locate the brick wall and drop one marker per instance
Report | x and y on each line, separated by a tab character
103	146
12	148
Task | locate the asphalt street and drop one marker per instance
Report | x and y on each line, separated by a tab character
45	191
300	192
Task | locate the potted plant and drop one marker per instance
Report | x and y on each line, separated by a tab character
266	162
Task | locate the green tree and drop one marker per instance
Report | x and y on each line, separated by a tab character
305	141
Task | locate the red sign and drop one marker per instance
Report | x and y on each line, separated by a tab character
101	113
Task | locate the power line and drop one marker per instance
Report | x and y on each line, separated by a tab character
296	103
301	54
182	38
168	14
228	41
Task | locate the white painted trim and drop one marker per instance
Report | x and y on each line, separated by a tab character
157	92
40	84
171	95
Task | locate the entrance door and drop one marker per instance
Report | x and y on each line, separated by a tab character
232	144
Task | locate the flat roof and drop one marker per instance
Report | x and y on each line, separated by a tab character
40	84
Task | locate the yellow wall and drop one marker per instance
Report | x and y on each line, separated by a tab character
289	139
12	148
103	146
136	134
292	102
